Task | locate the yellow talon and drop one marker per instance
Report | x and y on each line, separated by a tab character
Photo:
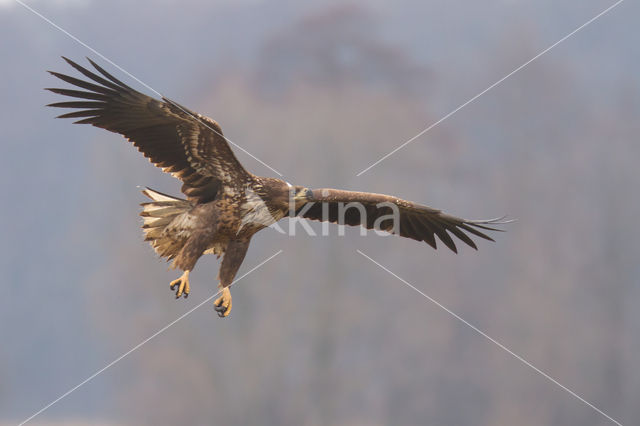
183	285
223	304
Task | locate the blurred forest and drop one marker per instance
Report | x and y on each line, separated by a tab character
320	335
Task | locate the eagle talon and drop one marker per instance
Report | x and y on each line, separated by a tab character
183	285
222	305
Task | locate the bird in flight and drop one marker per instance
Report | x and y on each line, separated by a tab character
225	204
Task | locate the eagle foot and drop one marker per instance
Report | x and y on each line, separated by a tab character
183	285
222	305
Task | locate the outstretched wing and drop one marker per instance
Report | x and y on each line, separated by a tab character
188	145
378	211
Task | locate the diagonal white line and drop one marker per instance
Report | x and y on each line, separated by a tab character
115	361
67	33
491	339
491	87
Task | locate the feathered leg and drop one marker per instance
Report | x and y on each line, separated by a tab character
233	257
186	261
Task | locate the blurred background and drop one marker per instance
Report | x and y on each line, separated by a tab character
320	335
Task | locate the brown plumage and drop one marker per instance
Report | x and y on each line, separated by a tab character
225	205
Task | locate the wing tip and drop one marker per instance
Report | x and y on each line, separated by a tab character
95	65
502	220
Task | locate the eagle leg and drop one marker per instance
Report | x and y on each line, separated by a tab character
186	260
233	257
183	285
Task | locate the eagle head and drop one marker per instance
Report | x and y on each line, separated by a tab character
282	196
301	194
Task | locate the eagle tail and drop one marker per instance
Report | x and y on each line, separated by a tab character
157	215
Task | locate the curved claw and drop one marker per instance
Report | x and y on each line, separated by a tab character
222	305
183	285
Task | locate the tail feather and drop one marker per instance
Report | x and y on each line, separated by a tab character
154	210
157	215
159	196
156	222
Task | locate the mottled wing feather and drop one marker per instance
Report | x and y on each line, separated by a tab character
417	222
205	155
188	145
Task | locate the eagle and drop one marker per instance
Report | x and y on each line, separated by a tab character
224	204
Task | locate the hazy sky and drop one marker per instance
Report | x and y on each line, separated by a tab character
320	335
